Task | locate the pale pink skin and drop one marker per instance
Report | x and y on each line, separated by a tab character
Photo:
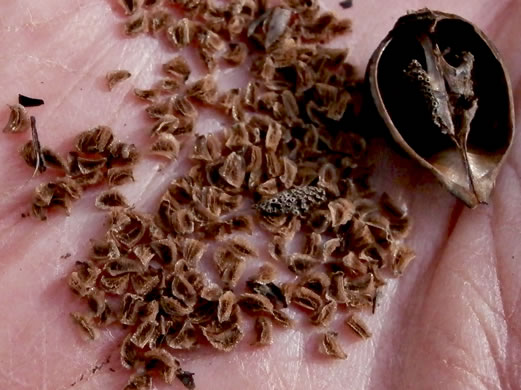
451	322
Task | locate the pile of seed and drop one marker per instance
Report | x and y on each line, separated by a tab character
291	151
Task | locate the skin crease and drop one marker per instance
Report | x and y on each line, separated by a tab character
451	322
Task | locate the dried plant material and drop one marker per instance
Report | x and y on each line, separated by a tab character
136	25
298	201
401	259
119	175
313	246
27	101
203	90
54	160
301	263
186	378
193	251
110	199
129	6
177	67
328	179
282	319
277	22
441	96
83	280
86	165
337	289
40	165
166	146
229	266
353	266
105	250
233	170
277	248
236	53
165	250
305	298
184	338
127	228
122	153
174	307
255	303
346	4
330	346
317	282
18	120
96	140
238	137
325	314
158	20
181	33
158	110
225	307
206	148
149	95
128	353
115	77
170	84
144	334
273	137
341	211
264	331
183	107
223	338
143	284
85	325
167	124
358	327
122	265
139	382
161	361
241	247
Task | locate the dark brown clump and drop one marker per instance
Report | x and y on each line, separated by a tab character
298	201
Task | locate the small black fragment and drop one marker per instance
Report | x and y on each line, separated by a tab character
269	290
186	378
346	4
27	101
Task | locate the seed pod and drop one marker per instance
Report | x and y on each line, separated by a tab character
443	91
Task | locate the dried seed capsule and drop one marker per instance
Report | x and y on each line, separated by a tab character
436	80
96	140
166	146
358	327
18	120
86	326
116	76
110	199
264	331
139	382
330	346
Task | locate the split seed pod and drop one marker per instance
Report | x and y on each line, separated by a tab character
443	91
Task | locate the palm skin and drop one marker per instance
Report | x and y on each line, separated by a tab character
449	323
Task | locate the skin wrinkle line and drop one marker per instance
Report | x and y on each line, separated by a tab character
426	278
475	289
442	356
490	345
32	25
493	222
88	68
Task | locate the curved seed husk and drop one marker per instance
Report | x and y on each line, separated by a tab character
443	91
